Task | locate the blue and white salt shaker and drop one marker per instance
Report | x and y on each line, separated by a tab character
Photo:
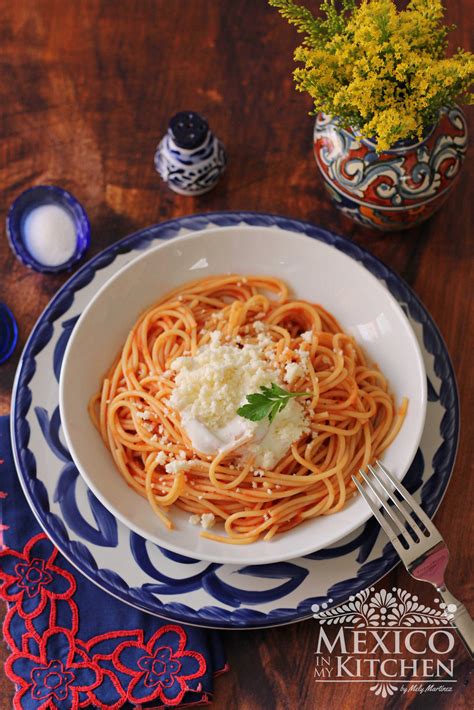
190	158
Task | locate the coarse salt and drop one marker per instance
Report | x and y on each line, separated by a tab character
49	234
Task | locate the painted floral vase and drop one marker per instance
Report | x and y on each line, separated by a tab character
400	187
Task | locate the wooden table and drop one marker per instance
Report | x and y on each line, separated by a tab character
86	93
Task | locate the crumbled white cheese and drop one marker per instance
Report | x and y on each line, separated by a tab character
144	415
208	520
264	339
287	427
303	356
307	336
160	458
194	519
176	466
293	372
304	364
216	336
211	385
259	326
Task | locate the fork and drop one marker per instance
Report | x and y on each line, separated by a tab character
423	552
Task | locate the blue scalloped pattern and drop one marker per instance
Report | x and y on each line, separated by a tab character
106	533
68	327
242	617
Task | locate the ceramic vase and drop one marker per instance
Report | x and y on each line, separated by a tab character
398	188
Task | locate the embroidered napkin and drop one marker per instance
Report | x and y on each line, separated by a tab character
72	644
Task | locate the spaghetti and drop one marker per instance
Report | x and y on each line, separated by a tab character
350	417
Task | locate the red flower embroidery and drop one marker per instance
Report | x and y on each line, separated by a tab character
160	668
51	681
30	578
33	576
54	670
58	676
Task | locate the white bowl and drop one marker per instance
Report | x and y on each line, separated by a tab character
316	272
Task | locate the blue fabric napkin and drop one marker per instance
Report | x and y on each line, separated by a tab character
72	644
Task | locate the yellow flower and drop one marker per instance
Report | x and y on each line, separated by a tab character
381	70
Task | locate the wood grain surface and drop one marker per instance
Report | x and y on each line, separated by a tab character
87	89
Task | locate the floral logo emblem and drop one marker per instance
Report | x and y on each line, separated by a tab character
395	608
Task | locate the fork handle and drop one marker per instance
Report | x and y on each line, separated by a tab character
461	619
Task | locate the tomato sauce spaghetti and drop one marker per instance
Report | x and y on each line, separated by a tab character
351	414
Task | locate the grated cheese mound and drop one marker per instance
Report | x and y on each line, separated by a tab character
212	384
287	427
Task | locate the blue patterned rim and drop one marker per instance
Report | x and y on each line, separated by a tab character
8	333
43	195
431	493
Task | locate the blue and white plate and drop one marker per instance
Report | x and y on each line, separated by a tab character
165	583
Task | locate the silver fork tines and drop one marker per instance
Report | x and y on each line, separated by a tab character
422	551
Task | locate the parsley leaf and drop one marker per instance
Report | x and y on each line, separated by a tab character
268	402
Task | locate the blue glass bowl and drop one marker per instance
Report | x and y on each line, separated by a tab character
36	197
8	333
